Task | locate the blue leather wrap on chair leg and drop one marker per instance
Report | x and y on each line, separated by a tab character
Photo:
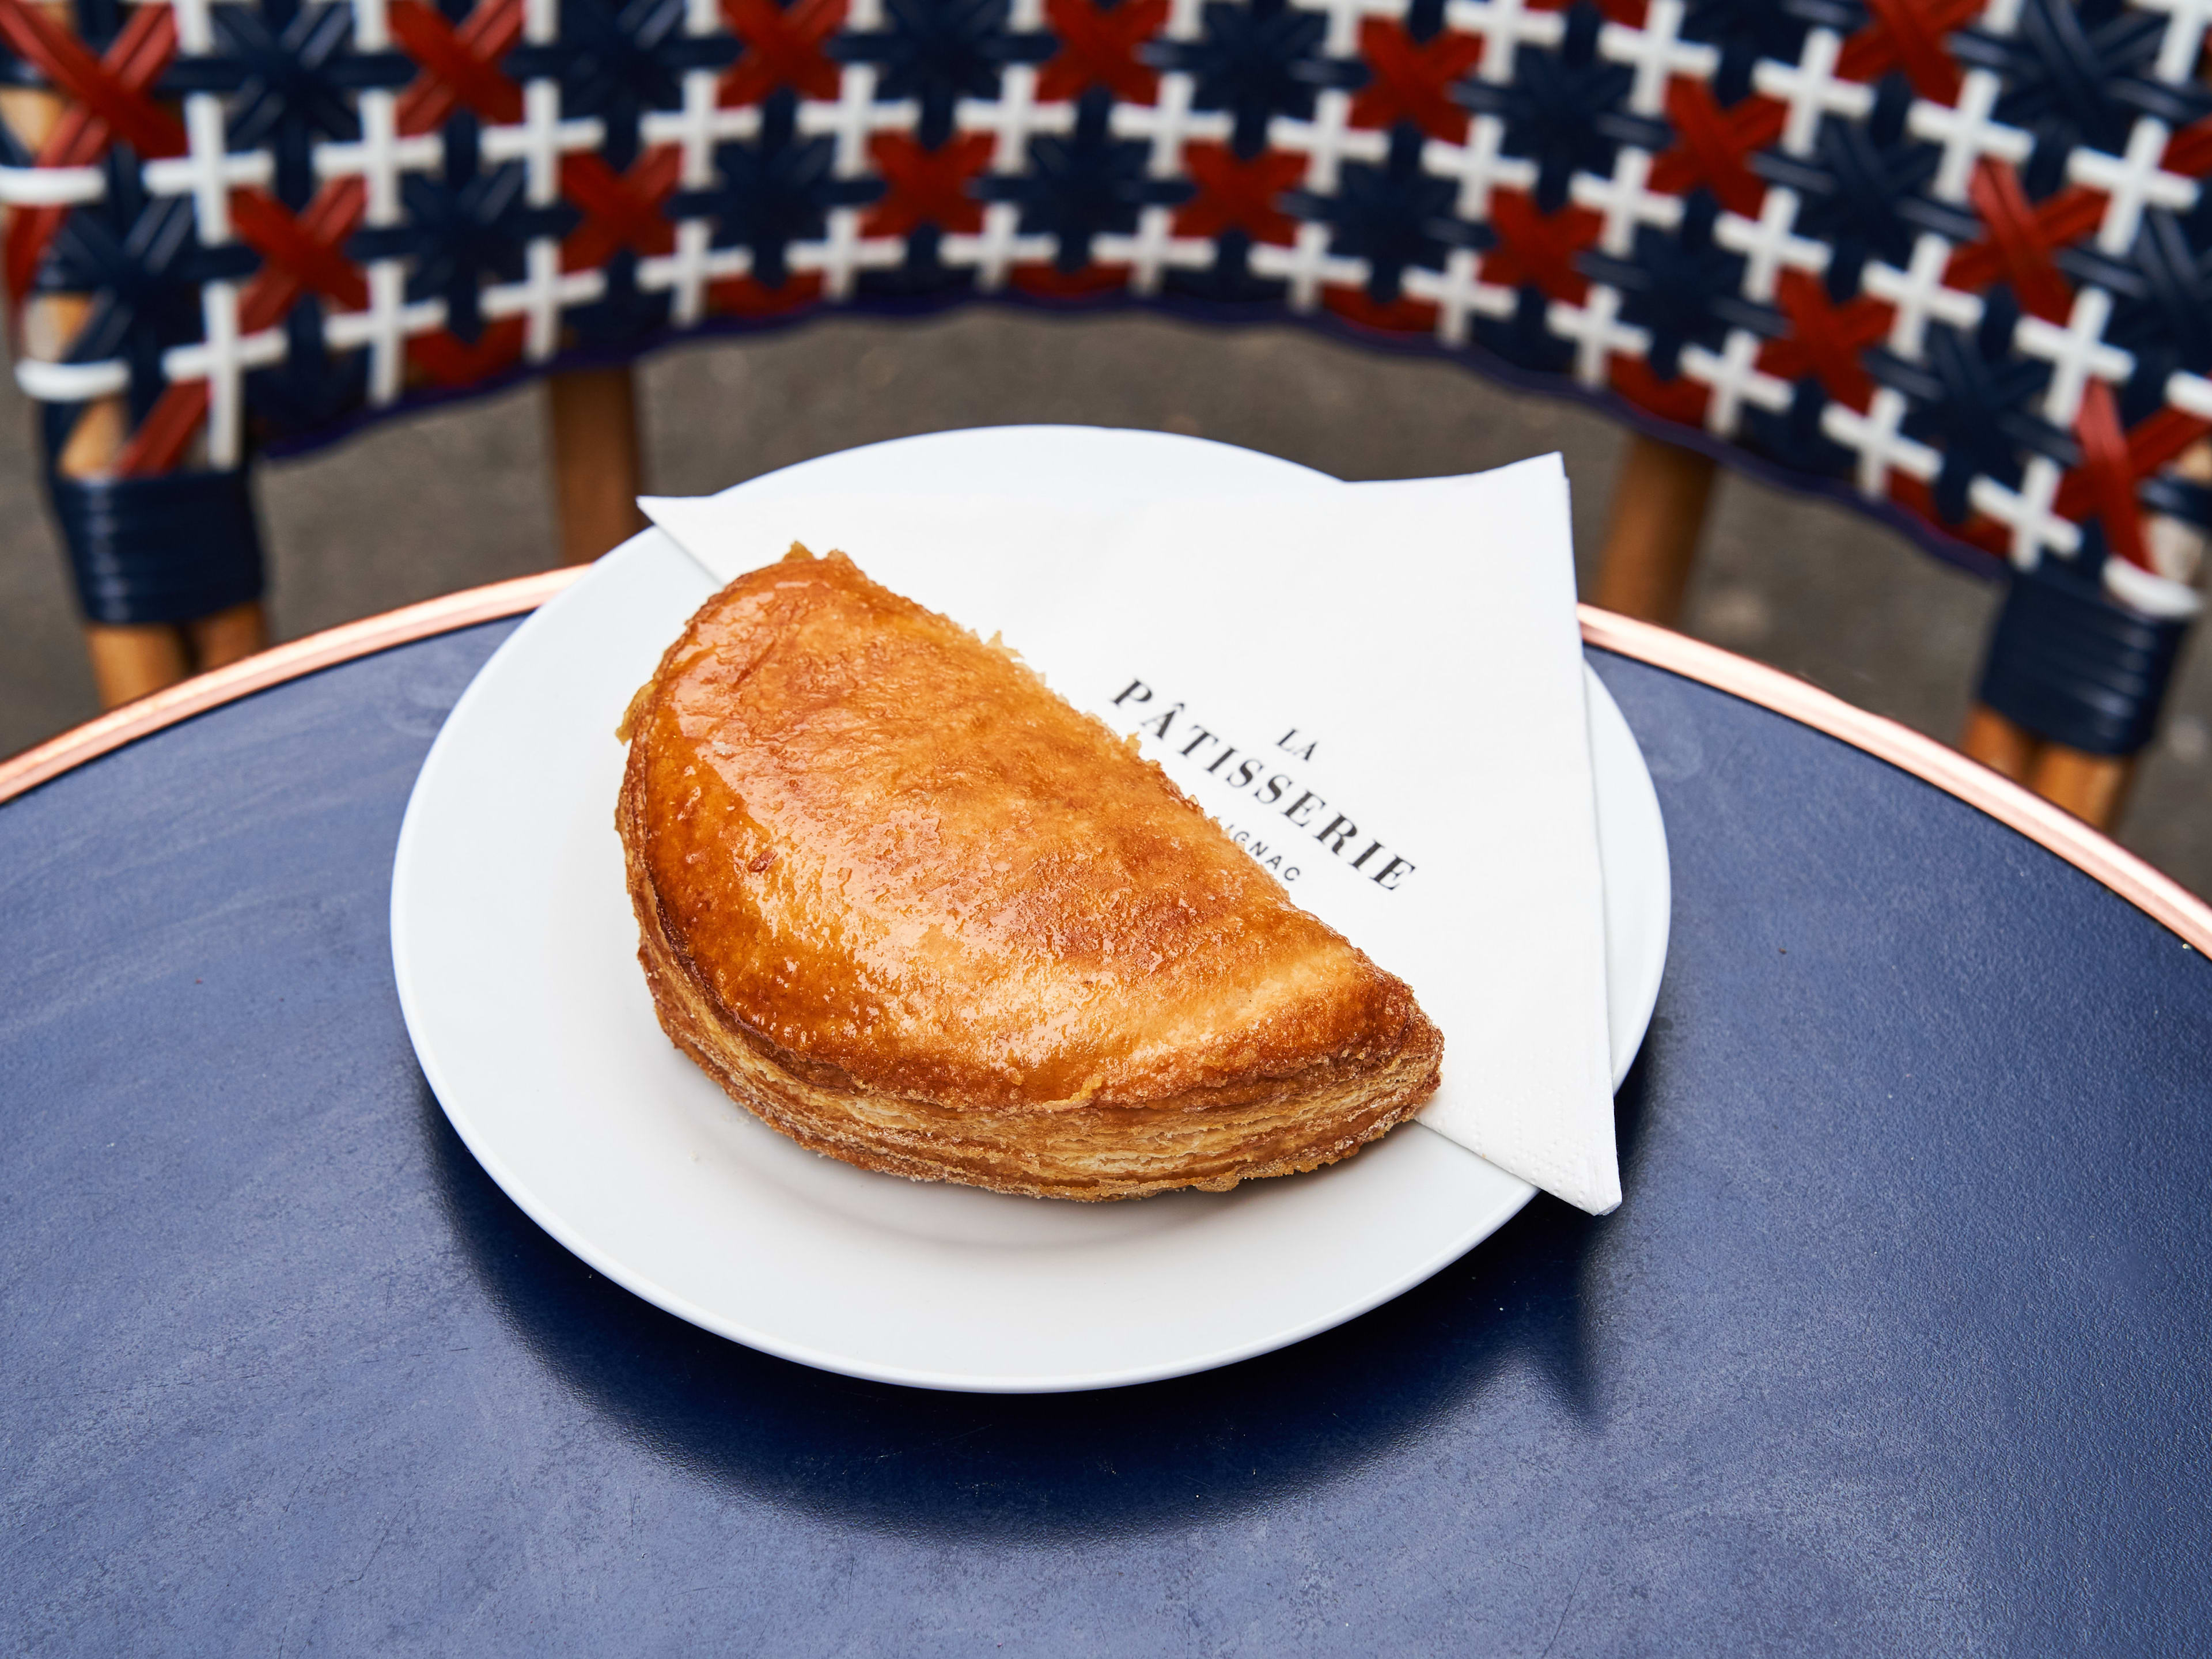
160	550
2073	667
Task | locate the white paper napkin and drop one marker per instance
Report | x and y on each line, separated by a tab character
1376	689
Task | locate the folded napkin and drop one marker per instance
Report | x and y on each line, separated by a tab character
1376	689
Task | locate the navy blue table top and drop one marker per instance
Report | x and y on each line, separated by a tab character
1899	1344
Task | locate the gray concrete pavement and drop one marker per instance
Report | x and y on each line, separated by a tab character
457	497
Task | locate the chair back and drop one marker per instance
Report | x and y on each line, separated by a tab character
1948	261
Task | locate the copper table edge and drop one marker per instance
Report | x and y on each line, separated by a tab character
2096	855
290	661
2050	826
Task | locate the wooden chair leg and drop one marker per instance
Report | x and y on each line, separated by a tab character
133	660
1658	509
129	661
2093	787
227	635
2000	744
596	470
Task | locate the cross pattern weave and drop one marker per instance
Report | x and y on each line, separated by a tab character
1952	259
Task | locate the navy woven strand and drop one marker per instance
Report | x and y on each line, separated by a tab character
161	550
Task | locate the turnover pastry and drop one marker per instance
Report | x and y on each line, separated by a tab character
909	906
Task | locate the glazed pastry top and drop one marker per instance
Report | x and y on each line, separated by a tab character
891	852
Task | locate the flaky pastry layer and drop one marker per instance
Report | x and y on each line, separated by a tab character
910	909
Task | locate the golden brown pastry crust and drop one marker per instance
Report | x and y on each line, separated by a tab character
909	906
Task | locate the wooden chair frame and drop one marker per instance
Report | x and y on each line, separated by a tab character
1658	513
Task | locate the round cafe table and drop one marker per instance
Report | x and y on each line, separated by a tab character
1900	1342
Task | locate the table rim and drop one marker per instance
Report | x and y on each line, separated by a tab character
2051	826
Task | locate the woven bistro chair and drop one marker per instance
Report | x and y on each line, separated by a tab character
1943	260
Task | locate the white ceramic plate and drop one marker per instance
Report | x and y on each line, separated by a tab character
516	958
